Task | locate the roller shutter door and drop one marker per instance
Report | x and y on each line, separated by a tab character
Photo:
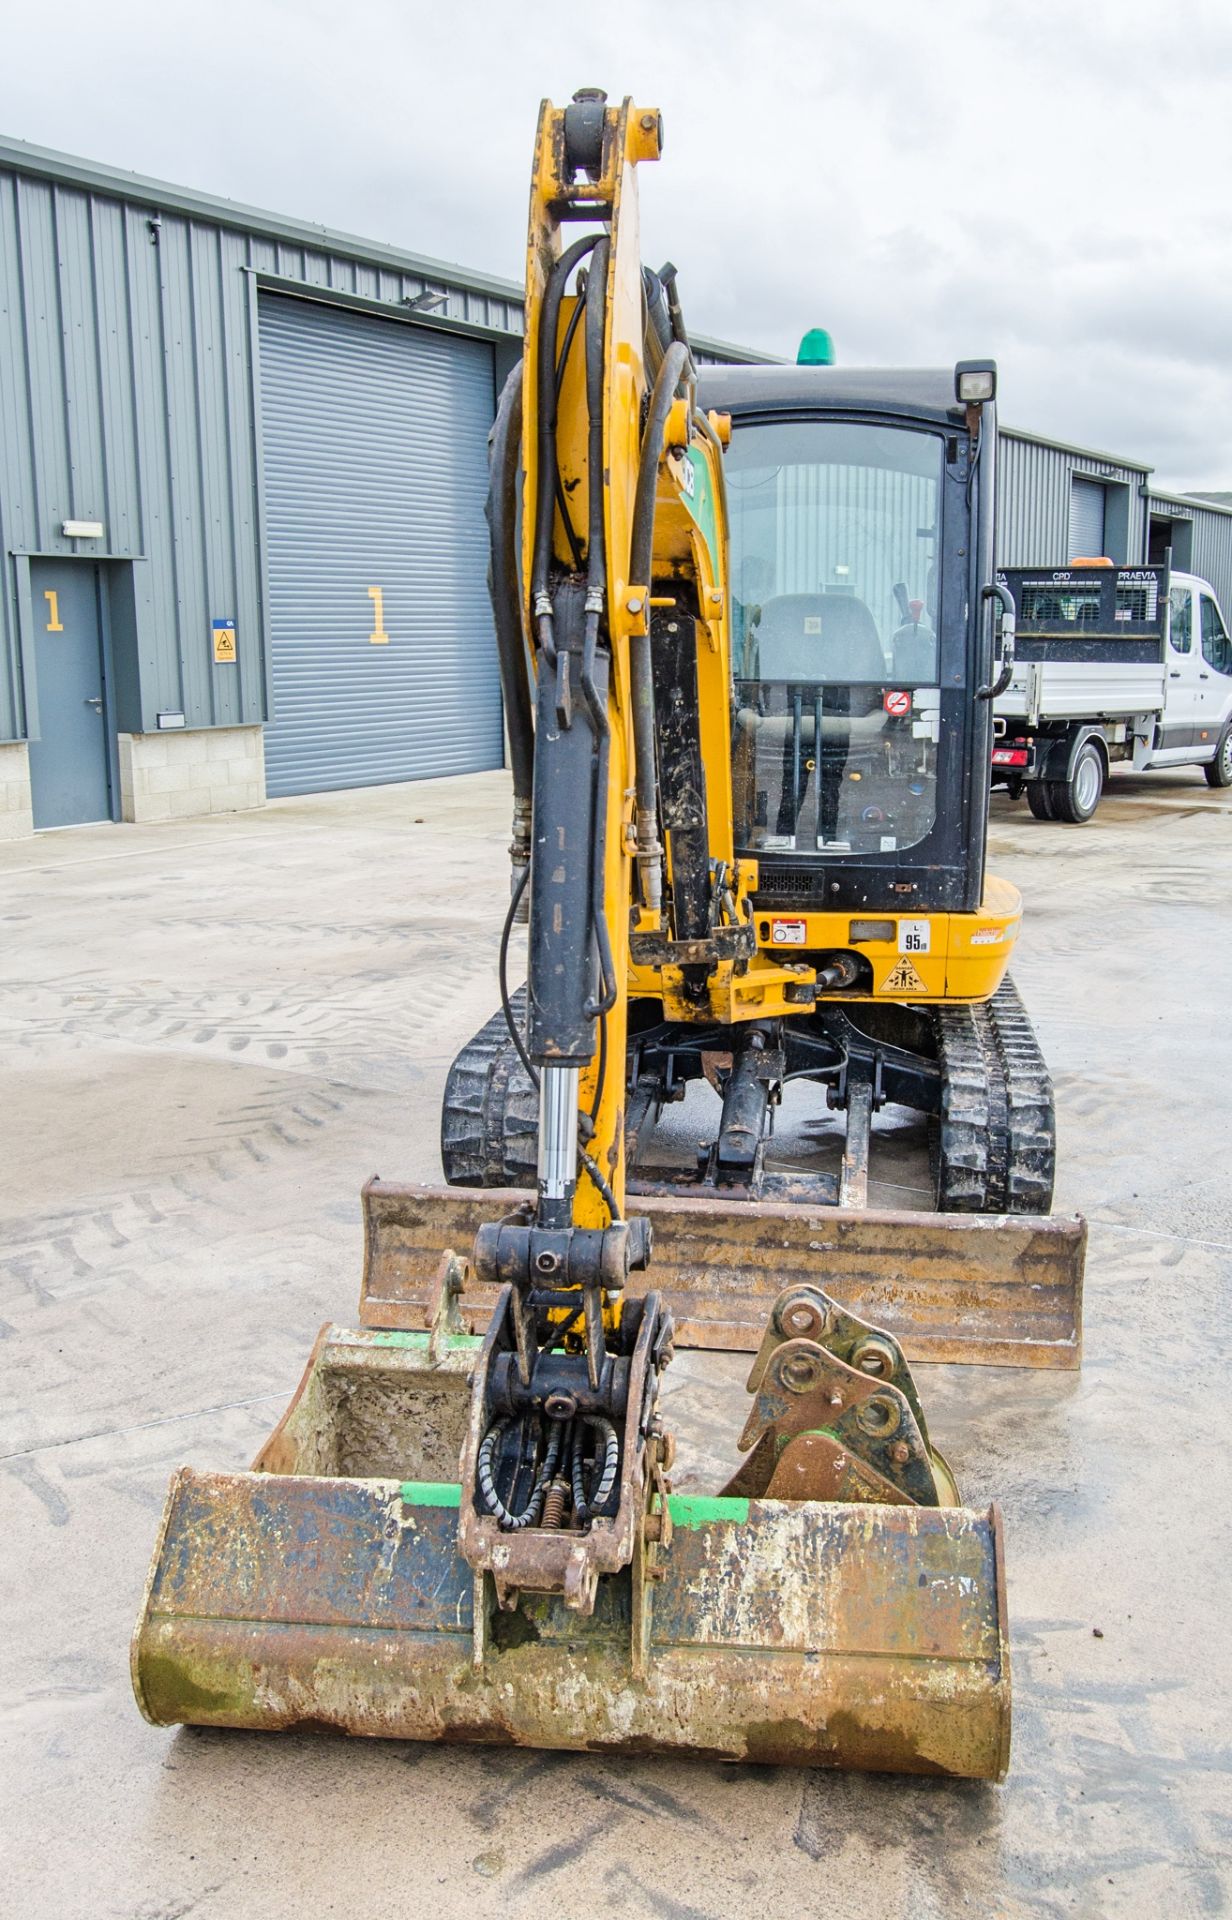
383	657
1086	519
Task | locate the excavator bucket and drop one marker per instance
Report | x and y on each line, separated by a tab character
326	1588
993	1290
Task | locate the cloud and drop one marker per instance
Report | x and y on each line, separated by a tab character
1043	182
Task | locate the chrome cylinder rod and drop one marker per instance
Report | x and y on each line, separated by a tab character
558	1127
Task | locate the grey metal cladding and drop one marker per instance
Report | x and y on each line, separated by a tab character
125	400
1033	498
127	396
375	467
1211	555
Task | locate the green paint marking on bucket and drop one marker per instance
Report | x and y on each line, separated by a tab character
394	1337
687	1510
431	1493
695	1510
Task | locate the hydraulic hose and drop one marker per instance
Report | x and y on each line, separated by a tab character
675	362
649	847
505	590
545	499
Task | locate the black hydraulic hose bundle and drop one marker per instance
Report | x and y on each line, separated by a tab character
486	1475
676	363
545	502
506	593
562	361
563	1447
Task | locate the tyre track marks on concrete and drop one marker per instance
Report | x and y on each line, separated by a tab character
375	1031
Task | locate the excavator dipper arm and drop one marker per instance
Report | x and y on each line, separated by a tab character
562	1444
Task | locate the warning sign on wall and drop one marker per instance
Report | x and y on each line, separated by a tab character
224	643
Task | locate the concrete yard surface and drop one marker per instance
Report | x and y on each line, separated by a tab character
212	1032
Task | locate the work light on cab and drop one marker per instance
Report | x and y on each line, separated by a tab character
975	381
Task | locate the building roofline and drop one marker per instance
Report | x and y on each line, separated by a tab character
93	176
1196	502
1083	453
738	356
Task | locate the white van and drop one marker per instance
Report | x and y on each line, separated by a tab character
1111	664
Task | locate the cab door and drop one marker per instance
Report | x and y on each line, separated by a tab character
1183	709
1215	673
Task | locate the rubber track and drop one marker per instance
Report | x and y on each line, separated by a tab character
996	1141
490	1114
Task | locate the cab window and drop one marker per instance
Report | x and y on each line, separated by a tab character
835	542
1216	650
1180	632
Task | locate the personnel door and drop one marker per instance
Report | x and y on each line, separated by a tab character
1182	715
69	762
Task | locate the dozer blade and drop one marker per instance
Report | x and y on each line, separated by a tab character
997	1290
330	1592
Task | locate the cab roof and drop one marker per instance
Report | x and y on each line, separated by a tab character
922	393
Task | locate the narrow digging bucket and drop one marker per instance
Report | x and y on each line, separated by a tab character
325	1588
993	1290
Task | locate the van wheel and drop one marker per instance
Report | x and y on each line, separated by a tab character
1075	800
1219	770
1039	798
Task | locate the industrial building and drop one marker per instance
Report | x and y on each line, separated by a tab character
1057	502
242	475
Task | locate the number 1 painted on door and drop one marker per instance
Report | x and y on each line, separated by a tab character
378	637
53	608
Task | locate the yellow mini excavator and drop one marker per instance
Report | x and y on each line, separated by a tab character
748	634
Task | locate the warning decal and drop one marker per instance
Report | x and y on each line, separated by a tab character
902	978
897	703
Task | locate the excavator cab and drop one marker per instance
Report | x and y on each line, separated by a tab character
860	512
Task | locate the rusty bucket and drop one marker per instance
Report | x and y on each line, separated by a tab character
325	1588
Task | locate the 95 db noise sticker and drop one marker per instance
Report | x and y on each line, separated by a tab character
787	933
915	936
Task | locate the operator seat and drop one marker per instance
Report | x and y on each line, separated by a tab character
826	639
830	637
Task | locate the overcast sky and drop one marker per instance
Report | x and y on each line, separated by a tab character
1046	181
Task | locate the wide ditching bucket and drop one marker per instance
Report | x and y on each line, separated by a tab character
325	1588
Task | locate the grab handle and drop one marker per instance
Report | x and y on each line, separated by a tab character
1003	640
